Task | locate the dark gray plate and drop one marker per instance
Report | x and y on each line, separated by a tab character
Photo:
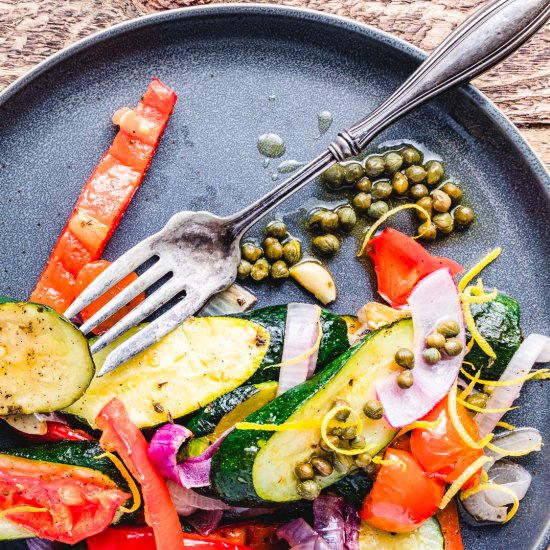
241	71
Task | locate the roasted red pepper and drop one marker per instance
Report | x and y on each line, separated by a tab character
59	432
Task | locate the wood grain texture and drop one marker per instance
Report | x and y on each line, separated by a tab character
31	30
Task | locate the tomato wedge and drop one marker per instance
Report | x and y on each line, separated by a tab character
400	262
401	499
122	436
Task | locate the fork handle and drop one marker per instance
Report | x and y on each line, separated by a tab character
488	36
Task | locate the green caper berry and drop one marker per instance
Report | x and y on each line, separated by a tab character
452	190
304	471
353	172
260	269
326	244
336	431
449	328
276	229
404	357
273	249
431	355
418	191
321	466
309	490
373	409
342	463
441	201
478	399
434	172
363	460
393	162
435	340
427	231
244	269
443	222
381	190
347	218
463	215
361	202
279	270
378	209
358	442
334	176
327	455
405	379
400	183
250	252
411	156
325	220
364	185
453	346
341	416
415	173
335	440
349	433
427	204
374	166
291	251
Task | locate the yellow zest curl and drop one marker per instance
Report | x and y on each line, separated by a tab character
521	452
484	478
419	424
484	410
285	427
476	335
493	255
540	374
392	462
479	297
506	426
22	509
470	386
470	345
505	490
455	420
128	478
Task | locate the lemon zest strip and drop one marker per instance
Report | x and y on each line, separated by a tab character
476	335
380	221
505	490
285	427
521	452
483	410
506	425
420	425
391	462
471	273
470	345
540	374
119	465
479	298
468	389
484	478
22	509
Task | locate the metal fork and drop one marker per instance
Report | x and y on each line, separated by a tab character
201	251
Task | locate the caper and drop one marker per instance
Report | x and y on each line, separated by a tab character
431	355
291	251
273	249
343	415
325	220
373	409
279	270
404	357
453	346
463	215
326	244
427	204
358	442
308	489
443	222
260	269
361	202
449	328
321	466
405	379
427	231
372	469
363	460
400	183
415	173
349	433
244	269
435	340
393	162
378	209
335	440
353	172
478	399
336	431
334	176
441	201
452	190
381	190
276	229
374	166
250	252
347	218
304	470
364	185
418	191
434	172
342	463
411	156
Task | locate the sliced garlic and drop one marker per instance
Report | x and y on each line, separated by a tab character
315	278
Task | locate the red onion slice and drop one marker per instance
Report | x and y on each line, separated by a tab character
187	501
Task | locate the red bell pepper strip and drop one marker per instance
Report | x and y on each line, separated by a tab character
400	262
104	200
142	538
58	432
450	526
122	436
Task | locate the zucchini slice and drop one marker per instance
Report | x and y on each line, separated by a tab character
427	537
45	362
193	365
254	466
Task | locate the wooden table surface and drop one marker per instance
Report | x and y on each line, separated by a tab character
31	30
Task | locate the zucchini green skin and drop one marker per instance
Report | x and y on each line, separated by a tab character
498	321
333	343
354	488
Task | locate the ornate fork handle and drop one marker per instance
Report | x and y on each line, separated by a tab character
483	40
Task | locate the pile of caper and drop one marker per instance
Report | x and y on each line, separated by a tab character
401	175
328	223
278	252
443	339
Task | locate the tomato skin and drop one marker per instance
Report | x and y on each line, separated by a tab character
401	500
59	432
400	262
